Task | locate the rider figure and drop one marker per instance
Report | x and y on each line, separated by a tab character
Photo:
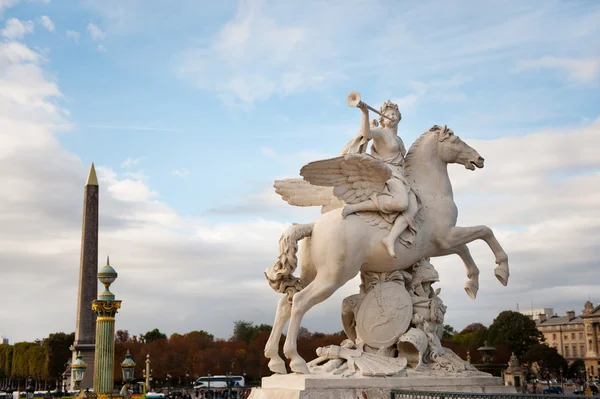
388	147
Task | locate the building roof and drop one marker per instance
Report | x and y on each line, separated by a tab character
559	320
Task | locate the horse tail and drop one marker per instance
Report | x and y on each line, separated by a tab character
280	276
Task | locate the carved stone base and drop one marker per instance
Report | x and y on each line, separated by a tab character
297	386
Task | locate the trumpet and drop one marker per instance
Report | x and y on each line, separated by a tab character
353	100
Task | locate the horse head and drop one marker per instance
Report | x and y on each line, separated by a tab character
452	149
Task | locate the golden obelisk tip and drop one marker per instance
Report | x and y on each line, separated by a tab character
92	179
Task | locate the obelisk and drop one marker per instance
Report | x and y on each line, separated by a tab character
85	330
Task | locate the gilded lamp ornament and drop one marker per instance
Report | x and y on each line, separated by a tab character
107	275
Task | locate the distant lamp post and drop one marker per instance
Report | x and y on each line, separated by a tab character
78	371
187	378
128	370
562	385
148	373
209	380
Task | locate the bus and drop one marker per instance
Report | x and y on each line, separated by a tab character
220	381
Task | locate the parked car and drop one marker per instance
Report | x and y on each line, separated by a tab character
555	389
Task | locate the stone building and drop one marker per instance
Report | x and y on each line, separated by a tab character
574	337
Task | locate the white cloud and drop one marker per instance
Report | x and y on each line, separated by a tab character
129	162
47	23
101	48
73	36
576	70
183	173
16	29
95	32
6	4
278	49
257	54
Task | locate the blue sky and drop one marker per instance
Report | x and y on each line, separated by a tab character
467	68
196	107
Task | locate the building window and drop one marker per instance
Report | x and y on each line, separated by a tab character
567	351
580	335
573	336
566	337
582	350
554	337
574	351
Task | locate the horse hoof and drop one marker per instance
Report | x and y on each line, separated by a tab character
471	288
277	366
299	366
501	273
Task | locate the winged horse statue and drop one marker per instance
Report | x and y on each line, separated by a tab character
337	247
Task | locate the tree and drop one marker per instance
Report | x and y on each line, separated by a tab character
516	331
246	331
59	351
122	336
448	331
574	368
6	353
154	335
475	334
547	359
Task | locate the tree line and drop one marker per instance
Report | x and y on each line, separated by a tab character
42	359
181	358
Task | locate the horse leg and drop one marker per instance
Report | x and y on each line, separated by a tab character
463	235
319	290
284	310
472	284
276	363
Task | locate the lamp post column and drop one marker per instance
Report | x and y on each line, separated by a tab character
148	372
106	308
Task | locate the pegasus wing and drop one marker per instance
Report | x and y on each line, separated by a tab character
354	177
299	192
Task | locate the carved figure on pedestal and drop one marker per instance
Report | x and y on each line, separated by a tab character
396	198
336	248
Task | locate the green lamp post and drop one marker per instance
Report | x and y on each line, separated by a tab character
78	371
106	308
128	370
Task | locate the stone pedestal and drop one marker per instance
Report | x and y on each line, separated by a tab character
311	386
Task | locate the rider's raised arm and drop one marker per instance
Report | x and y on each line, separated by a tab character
365	125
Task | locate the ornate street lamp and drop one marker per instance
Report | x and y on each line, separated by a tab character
128	369
78	371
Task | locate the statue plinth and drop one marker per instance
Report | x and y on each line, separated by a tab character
309	386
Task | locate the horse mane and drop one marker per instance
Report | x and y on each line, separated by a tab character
415	147
410	155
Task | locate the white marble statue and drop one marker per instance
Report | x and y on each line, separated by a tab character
381	213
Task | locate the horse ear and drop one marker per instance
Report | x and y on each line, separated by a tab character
445	133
